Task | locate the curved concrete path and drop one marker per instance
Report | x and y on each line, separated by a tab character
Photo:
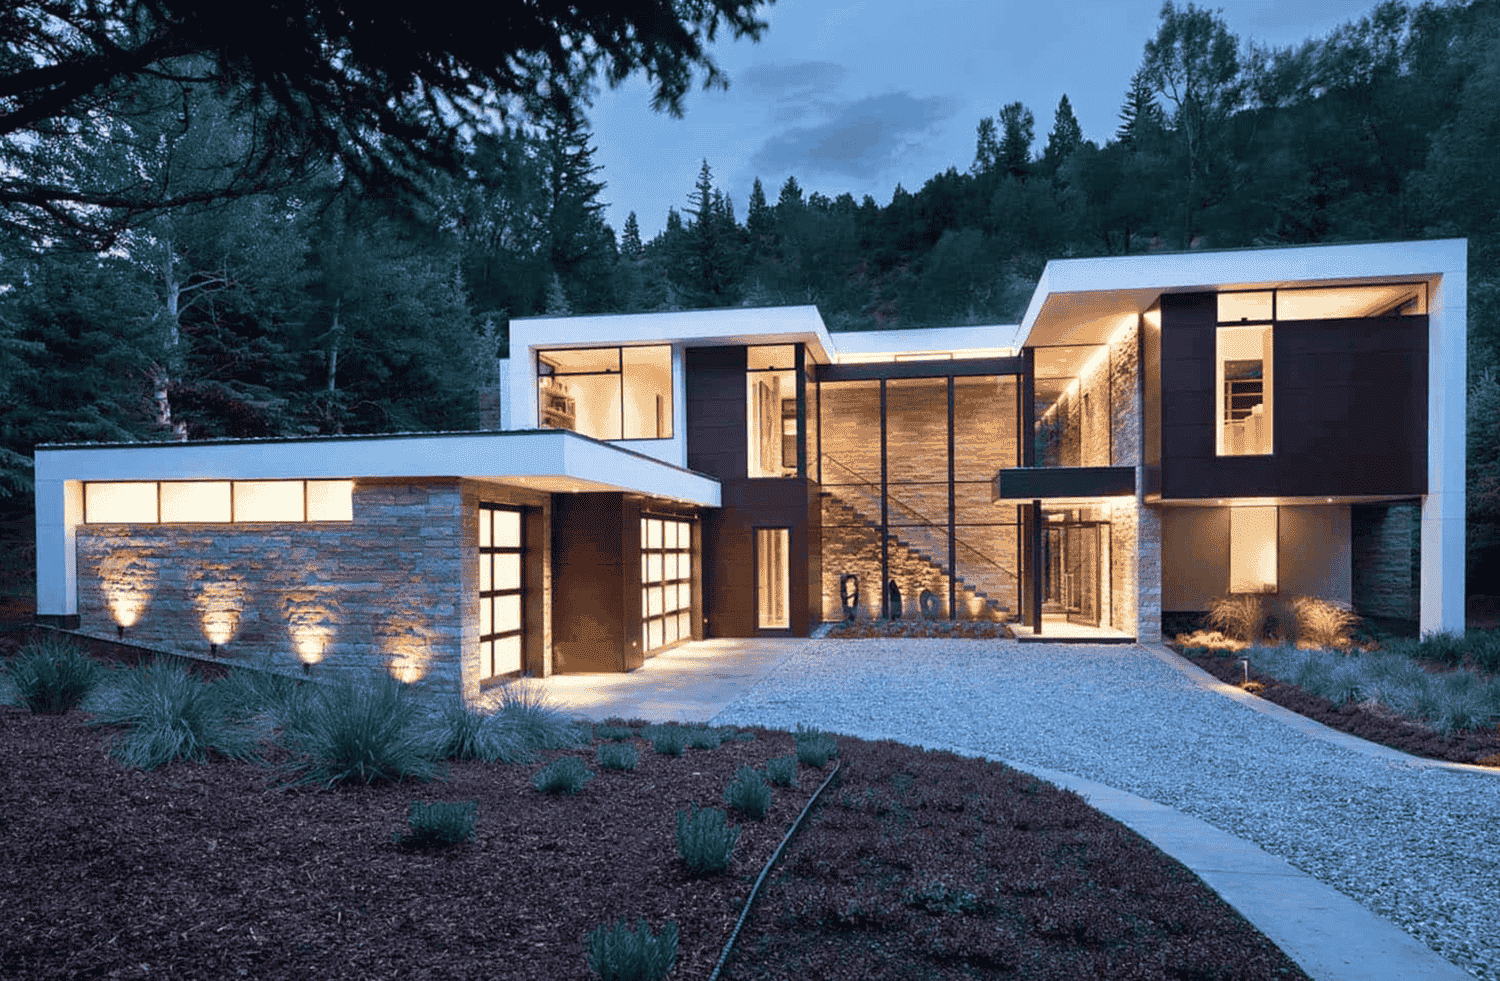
1331	936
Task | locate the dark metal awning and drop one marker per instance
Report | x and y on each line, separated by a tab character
1032	483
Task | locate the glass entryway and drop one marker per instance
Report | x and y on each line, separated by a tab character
1073	563
773	578
501	592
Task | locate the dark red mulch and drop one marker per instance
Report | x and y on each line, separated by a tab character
1379	726
931	866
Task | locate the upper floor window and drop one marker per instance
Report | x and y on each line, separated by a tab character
1244	378
771	410
607	392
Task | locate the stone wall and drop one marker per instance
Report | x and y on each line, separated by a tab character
1386	560
393	589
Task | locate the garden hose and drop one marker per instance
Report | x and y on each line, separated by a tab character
724	954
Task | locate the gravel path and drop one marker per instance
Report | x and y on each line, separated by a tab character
1414	844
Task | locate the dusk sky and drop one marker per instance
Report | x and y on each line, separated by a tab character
858	97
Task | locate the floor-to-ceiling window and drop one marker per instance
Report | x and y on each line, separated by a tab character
666	582
773	578
501	592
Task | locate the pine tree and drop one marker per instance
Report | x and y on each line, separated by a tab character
631	247
760	221
986	148
1066	136
1140	114
1018	127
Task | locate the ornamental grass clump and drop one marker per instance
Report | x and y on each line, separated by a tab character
669	740
1239	615
438	824
782	771
619	953
1322	622
748	793
458	731
705	840
257	693
615	756
527	710
705	738
168	715
613	733
564	775
358	732
51	675
814	747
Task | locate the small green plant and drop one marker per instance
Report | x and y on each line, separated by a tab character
669	740
527	711
748	793
1323	622
564	775
613	733
257	692
623	954
169	715
704	840
458	731
814	747
51	675
438	824
782	771
705	738
358	732
1239	615
614	756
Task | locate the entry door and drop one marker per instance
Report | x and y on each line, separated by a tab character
1081	547
773	578
501	592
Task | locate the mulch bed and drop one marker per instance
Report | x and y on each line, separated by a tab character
953	629
1374	722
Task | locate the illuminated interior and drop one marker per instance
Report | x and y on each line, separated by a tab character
666	582
1252	550
501	591
771	410
773	580
217	501
607	392
1243	409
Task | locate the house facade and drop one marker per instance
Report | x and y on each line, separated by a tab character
1157	431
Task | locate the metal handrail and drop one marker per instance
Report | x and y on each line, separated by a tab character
915	514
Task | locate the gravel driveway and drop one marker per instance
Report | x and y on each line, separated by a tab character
1414	844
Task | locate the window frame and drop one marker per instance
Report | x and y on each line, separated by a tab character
666	409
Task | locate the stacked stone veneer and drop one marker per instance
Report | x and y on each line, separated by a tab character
395	589
1386	559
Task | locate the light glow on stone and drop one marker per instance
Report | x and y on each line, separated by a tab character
219	604
128	581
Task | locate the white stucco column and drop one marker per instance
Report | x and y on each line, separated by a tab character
1443	507
59	512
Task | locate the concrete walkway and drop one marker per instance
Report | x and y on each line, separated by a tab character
1332	937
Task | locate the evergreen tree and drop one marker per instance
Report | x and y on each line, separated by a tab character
712	263
1140	114
631	247
1065	138
760	221
986	148
1018	131
577	240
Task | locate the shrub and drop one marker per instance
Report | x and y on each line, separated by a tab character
169	715
349	732
704	840
613	756
748	793
1239	615
51	675
623	954
1322	622
669	740
458	731
542	725
814	747
613	733
564	775
782	771
439	823
1314	675
705	738
1348	682
256	692
1443	646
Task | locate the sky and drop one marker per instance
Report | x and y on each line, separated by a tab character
858	97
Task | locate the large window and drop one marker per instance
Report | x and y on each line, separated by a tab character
1244	376
501	592
666	582
1252	550
217	501
773	578
607	392
771	410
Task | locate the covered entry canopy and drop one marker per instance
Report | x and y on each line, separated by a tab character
548	461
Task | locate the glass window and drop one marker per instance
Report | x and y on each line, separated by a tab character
1349	302
1243	410
201	500
269	500
771	418
330	500
1237	307
218	501
773	579
125	502
607	393
501	591
666	590
1252	550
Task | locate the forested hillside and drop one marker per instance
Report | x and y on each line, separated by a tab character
322	304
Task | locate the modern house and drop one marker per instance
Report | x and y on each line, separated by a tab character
1157	431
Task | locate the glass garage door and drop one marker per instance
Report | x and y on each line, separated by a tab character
666	582
501	549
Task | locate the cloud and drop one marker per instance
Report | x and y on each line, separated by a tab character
859	138
793	91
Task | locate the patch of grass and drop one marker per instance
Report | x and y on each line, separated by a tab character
50	675
705	738
564	775
542	725
1239	615
257	692
619	953
705	841
614	733
748	793
439	824
458	731
815	747
782	771
669	740
169	715
348	732
614	756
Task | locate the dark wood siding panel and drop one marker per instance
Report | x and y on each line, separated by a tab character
588	584
716	421
729	552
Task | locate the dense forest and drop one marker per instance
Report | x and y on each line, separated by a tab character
319	305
